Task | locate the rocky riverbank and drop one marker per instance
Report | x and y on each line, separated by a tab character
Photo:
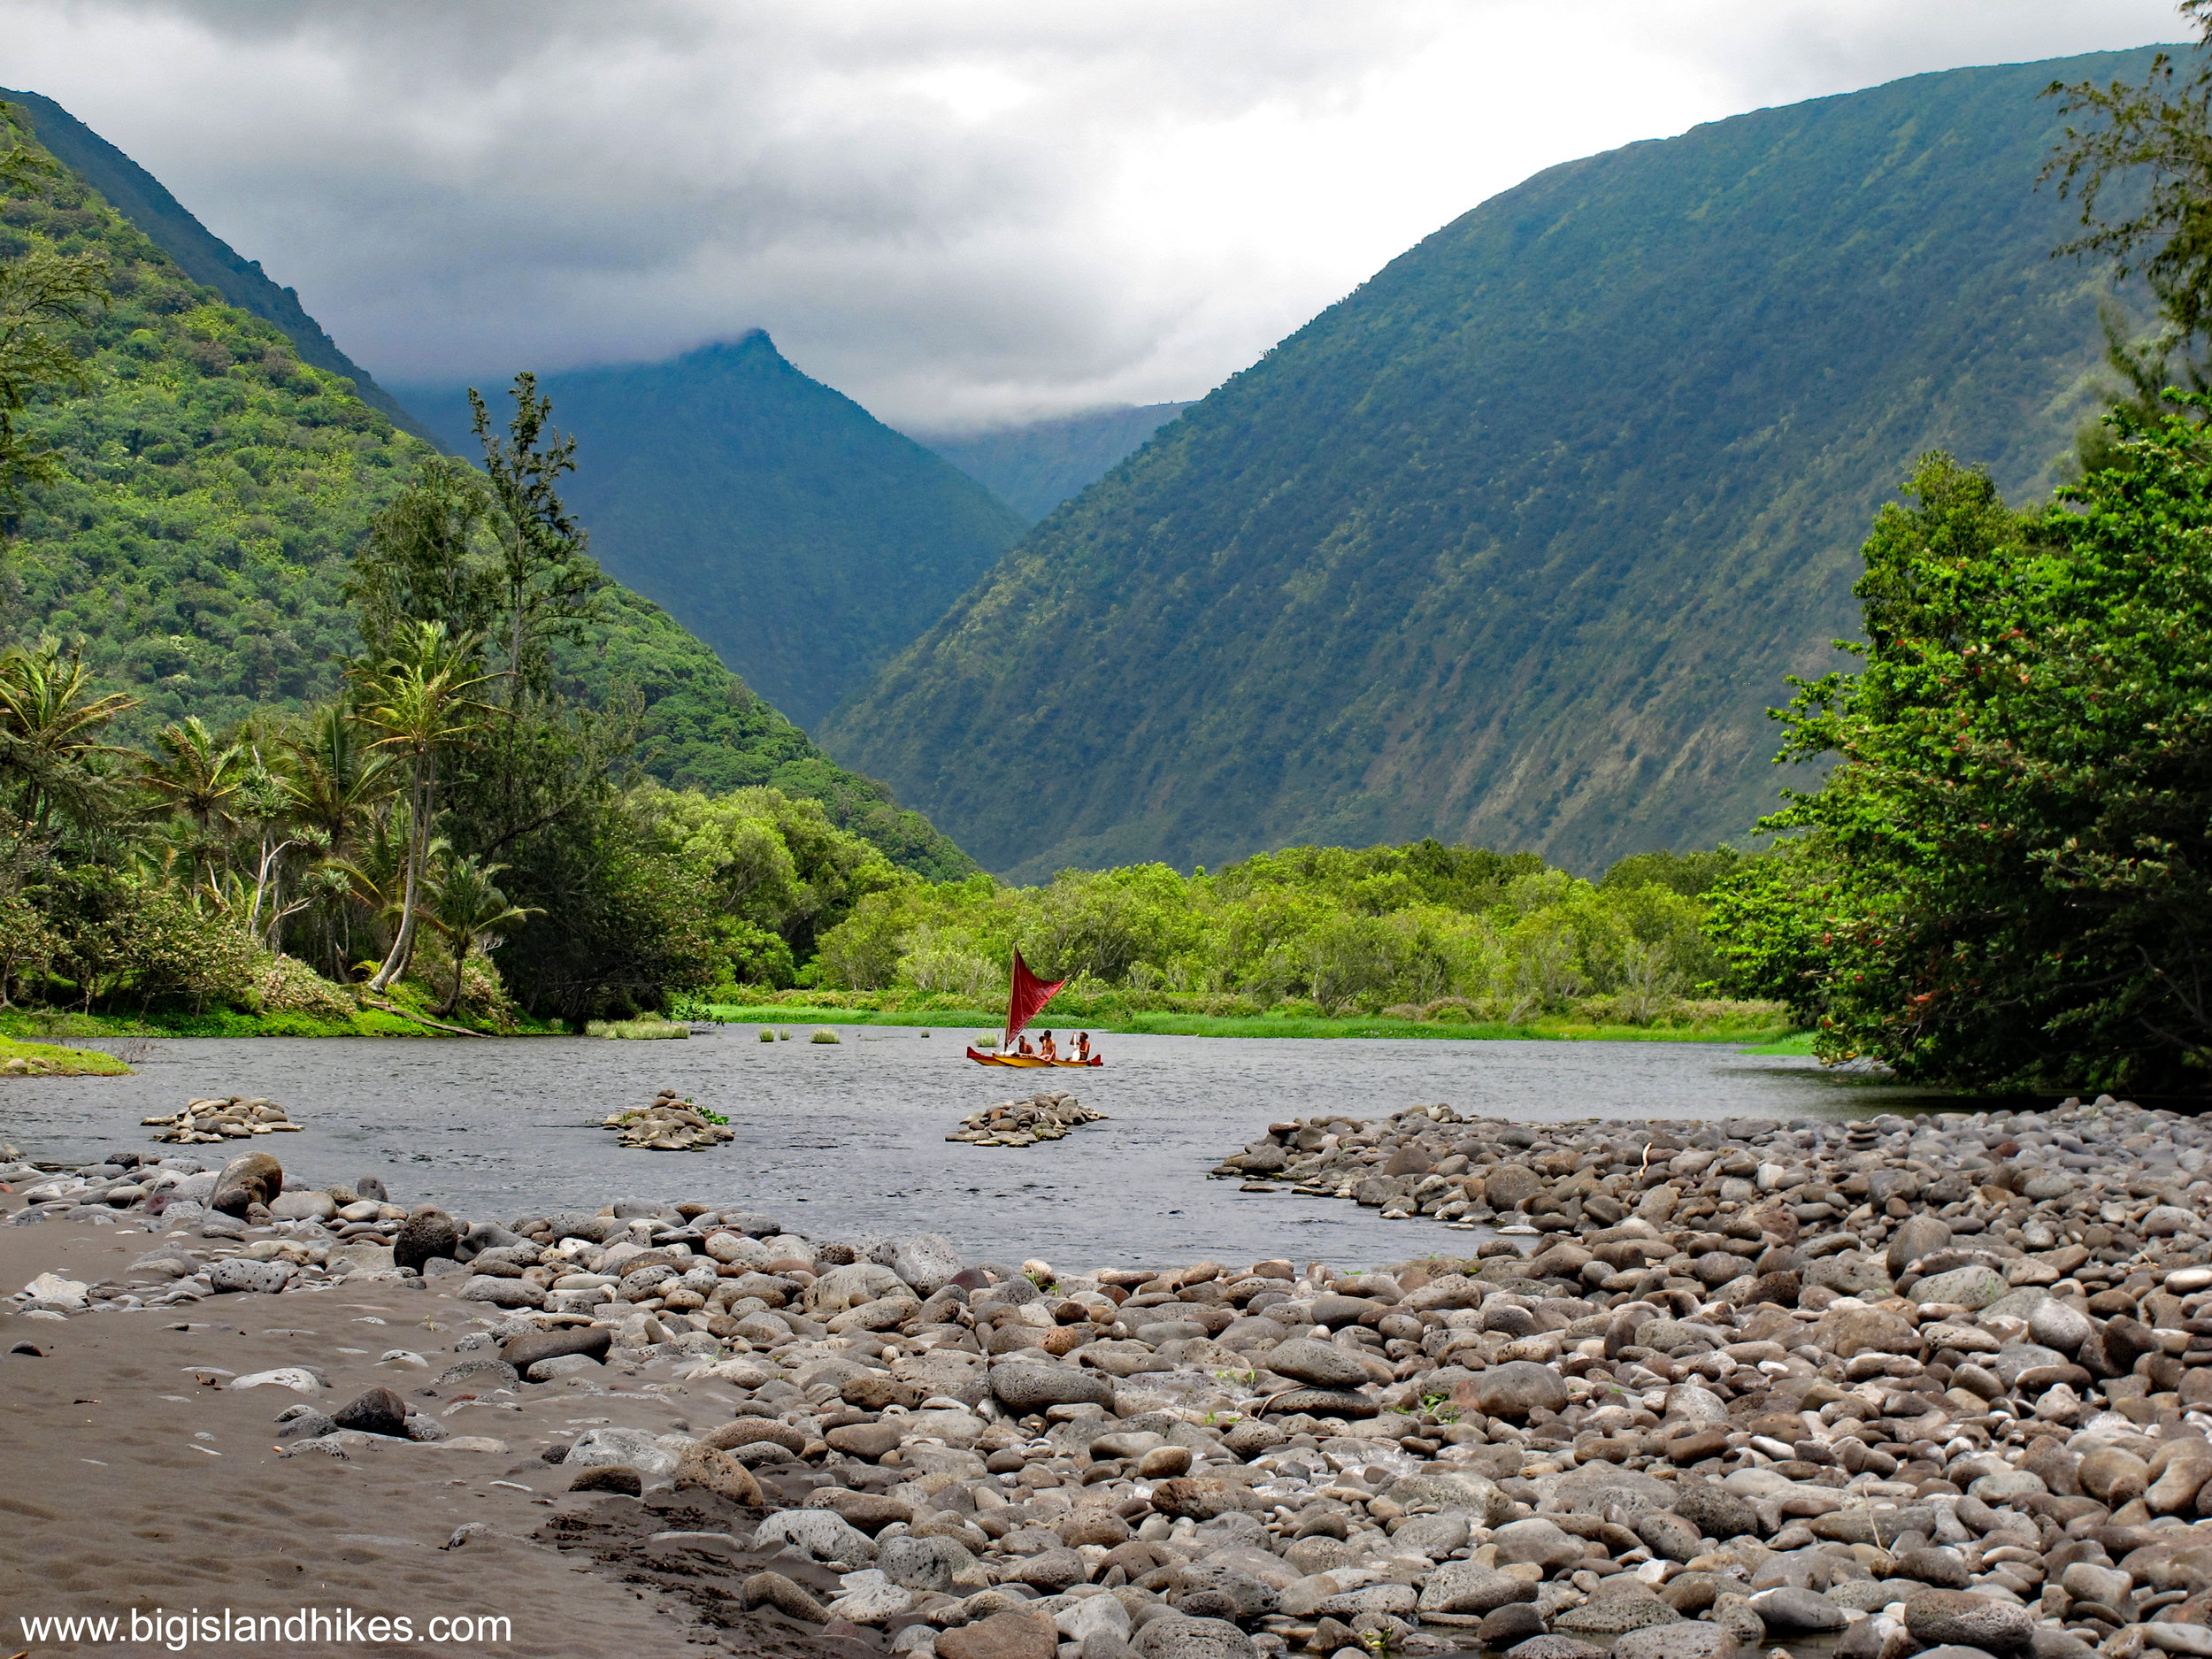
1892	1387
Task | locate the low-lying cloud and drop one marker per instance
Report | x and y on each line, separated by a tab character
958	213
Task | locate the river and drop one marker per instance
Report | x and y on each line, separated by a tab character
843	1138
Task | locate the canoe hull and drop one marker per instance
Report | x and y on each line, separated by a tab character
981	1058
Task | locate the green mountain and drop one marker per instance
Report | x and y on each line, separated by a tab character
202	254
1514	544
803	539
1036	466
215	486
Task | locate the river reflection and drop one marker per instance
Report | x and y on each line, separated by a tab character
849	1138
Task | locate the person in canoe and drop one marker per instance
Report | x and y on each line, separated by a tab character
1022	1045
1083	1047
1047	1049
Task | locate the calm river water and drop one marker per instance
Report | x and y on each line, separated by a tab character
846	1138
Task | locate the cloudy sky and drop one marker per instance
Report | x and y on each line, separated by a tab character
960	212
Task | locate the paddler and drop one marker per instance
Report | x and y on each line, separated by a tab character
1083	1047
1021	1045
1048	1050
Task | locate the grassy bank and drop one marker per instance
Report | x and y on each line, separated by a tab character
222	1022
1164	1024
46	1059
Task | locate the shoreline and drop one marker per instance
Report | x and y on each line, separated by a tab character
1768	1034
1710	1387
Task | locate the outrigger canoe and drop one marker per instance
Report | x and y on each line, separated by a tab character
1026	996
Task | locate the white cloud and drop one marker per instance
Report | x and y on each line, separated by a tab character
958	212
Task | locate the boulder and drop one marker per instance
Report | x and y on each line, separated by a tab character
850	1287
500	1293
1849	1332
1536	1541
252	1178
375	1412
1461	1586
526	1349
1316	1365
1177	1637
1685	1639
1971	1287
1004	1635
1958	1617
928	1262
428	1232
1518	1387
1716	1512
1024	1387
242	1273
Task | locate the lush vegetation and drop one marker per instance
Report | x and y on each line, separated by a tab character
1513	546
206	488
1305	942
775	518
2007	876
1034	466
310	728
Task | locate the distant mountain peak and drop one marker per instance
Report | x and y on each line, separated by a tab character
772	515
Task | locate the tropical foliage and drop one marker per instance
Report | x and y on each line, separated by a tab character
316	719
188	497
2007	876
1422	930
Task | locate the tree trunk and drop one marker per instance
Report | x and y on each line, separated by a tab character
461	944
403	949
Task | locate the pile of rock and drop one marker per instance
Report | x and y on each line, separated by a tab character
671	1124
1048	1114
233	1119
1902	1385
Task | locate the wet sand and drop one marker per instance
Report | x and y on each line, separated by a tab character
130	1480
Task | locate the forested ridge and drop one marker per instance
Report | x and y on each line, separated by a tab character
1513	545
778	520
206	257
211	490
1034	465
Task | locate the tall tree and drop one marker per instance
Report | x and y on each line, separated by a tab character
550	586
421	703
429	559
469	910
2148	148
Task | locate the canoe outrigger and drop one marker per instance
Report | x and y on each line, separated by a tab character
1027	996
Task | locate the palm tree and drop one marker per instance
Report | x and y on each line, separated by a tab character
469	910
419	700
199	779
49	727
338	781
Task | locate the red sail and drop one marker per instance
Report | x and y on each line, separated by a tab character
1030	994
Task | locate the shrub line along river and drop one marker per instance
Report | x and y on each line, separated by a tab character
846	1138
